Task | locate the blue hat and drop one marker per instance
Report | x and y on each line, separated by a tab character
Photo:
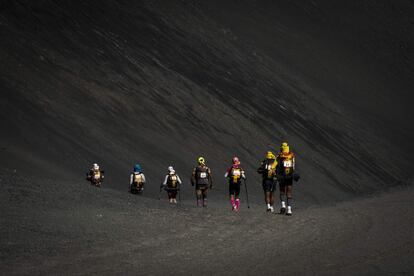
137	168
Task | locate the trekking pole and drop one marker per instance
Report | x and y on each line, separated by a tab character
179	194
247	194
159	195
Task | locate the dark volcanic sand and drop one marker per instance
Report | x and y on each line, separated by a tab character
162	82
74	228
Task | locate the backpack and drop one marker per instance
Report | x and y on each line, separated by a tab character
271	169
172	181
96	175
235	174
137	179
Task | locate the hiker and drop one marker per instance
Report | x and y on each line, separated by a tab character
95	175
286	175
235	174
201	179
171	184
137	180
268	171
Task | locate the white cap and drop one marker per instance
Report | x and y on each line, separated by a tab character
95	166
171	170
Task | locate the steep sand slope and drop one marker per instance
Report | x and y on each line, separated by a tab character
161	83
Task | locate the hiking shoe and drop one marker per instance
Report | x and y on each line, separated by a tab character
289	211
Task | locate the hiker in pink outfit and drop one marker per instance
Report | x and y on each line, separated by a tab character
234	174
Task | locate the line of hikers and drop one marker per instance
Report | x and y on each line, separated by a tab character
274	169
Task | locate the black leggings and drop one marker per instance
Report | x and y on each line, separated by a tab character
234	189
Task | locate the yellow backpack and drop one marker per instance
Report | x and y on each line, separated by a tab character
138	178
172	181
236	174
97	175
271	169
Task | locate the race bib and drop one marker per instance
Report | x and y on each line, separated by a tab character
173	178
203	175
287	163
97	175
